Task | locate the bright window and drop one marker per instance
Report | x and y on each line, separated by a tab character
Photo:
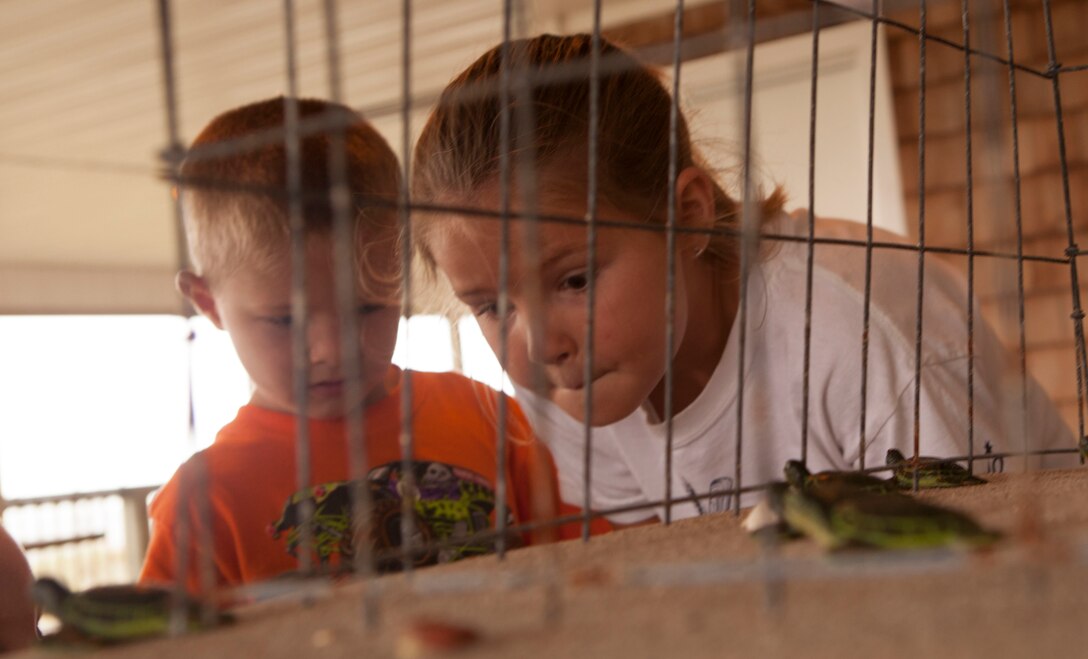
101	402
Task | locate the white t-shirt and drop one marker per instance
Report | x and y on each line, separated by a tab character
628	462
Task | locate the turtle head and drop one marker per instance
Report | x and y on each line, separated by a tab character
776	494
895	456
49	594
796	473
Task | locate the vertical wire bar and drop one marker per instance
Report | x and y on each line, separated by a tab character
867	308
1072	251
172	157
503	302
407	436
970	239
299	312
922	38
1019	232
811	247
670	251
344	246
749	233
524	126
204	531
591	263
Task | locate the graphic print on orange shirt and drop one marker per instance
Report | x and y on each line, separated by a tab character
451	507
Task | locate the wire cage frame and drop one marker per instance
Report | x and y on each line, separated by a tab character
989	57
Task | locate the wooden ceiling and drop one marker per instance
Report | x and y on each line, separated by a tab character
85	224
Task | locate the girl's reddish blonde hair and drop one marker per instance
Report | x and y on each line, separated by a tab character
460	148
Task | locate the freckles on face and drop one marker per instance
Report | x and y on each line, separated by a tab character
548	307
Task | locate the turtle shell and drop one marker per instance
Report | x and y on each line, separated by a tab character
854	480
934	473
900	522
117	613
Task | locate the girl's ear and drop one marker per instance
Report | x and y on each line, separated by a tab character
195	289
695	207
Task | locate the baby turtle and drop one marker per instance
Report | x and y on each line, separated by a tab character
111	614
880	521
835	484
932	472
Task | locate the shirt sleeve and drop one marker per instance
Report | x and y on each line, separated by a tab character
161	559
161	563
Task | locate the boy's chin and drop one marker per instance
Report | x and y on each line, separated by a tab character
335	408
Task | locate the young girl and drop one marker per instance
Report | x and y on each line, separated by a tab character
458	163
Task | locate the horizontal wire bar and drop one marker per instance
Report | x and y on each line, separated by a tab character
378	202
526	527
623	224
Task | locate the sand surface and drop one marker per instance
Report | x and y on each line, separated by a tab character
704	588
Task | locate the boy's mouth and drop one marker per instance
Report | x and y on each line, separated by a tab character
327	388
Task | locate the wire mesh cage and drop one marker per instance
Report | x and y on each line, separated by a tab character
673	336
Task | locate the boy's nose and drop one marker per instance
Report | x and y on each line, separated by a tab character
324	341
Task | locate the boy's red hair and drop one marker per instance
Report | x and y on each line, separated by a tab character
234	186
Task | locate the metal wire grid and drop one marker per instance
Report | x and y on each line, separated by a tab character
741	35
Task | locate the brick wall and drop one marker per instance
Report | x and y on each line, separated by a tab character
1047	286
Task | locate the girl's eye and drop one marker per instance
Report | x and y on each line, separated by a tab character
577	282
278	321
489	310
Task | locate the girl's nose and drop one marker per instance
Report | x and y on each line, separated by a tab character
548	340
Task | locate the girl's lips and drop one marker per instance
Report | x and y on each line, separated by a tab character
579	384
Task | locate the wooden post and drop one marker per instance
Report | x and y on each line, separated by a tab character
137	527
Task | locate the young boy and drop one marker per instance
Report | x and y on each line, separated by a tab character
236	215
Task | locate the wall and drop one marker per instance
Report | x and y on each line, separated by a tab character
1048	329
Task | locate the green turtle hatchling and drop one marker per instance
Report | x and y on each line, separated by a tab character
932	472
878	520
835	484
111	614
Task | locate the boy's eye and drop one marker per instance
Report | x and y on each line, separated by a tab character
278	321
367	309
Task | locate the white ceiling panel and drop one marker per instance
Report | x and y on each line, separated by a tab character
82	116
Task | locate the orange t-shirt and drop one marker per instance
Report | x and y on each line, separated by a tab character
255	502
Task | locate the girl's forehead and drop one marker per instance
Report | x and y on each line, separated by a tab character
468	233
